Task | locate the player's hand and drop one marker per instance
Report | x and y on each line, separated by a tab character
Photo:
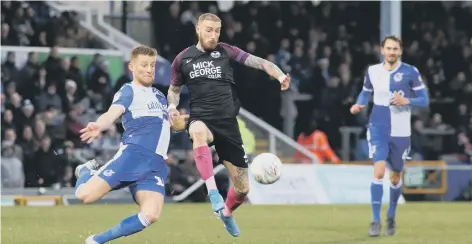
356	108
90	132
173	115
285	83
399	100
180	122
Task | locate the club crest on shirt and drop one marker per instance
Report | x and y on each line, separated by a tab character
398	77
215	54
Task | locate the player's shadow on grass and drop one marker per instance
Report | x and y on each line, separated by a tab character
358	240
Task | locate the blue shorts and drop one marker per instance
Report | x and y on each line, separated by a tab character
135	168
383	147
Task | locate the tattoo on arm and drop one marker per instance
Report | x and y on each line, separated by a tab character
173	95
265	65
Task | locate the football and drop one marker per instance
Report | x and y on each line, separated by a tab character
266	168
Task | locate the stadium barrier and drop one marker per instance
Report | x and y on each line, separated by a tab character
318	184
349	183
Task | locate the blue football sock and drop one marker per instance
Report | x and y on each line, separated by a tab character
395	192
376	192
84	176
126	227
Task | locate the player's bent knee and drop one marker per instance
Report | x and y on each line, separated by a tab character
93	190
198	132
85	196
151	217
199	136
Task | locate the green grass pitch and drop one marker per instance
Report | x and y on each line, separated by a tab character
428	223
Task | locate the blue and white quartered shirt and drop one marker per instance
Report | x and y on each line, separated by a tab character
406	80
145	119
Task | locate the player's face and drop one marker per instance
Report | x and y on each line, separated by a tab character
391	51
208	32
143	68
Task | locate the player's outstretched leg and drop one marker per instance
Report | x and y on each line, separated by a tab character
201	136
376	193
126	227
150	203
90	186
236	196
395	192
84	172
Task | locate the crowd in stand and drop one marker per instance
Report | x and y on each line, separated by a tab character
326	48
30	23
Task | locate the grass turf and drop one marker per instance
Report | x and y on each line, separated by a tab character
431	223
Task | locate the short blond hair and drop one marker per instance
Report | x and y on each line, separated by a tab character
143	50
209	16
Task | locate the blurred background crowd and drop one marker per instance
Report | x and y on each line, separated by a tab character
326	48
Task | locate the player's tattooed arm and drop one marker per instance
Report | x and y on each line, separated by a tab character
265	65
173	95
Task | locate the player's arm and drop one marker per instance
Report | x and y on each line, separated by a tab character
121	101
173	96
366	92
421	98
109	117
265	65
253	61
364	96
176	84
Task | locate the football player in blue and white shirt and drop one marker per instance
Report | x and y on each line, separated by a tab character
395	87
140	162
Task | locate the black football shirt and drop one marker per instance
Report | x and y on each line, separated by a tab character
210	81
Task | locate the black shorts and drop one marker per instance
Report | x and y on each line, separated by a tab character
226	139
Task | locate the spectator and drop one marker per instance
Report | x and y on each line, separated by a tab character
125	78
315	141
71	95
9	70
7	121
10	136
97	59
53	62
47	165
49	98
8	38
28	72
29	146
26	117
68	162
77	75
100	86
39	130
12	168
55	126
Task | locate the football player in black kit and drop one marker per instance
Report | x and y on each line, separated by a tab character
206	70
